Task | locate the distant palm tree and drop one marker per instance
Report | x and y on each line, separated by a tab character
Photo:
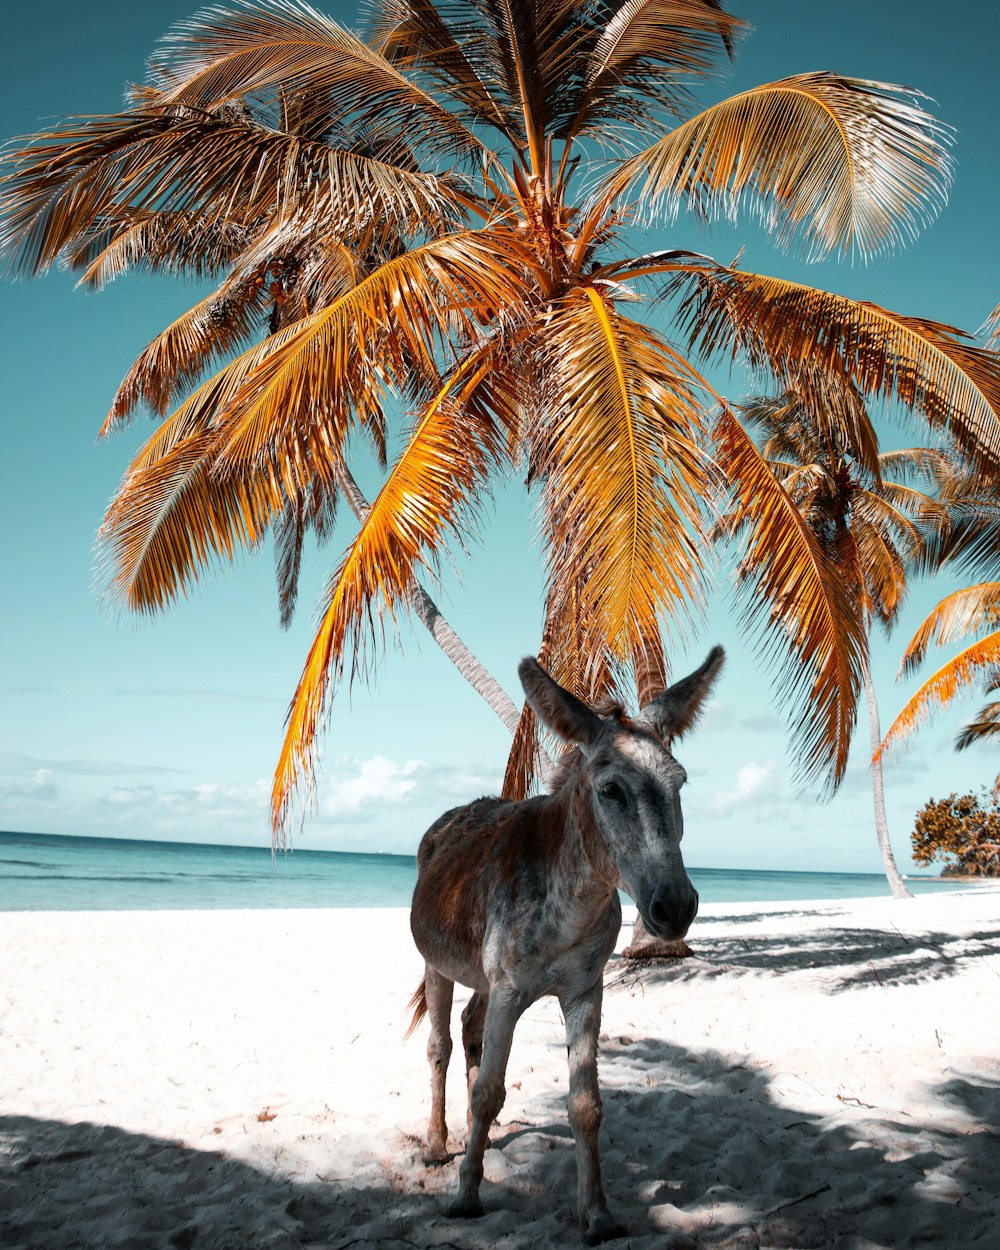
438	217
864	516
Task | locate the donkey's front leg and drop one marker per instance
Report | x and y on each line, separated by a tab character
583	1024
502	1013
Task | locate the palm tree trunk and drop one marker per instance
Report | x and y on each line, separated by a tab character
896	883
478	677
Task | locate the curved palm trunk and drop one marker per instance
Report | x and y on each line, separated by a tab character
478	677
896	883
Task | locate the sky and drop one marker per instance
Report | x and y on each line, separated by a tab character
169	728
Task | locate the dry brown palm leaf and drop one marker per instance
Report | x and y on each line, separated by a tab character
646	40
883	541
844	164
176	515
209	332
442	42
73	181
262	49
124	240
817	633
314	510
986	724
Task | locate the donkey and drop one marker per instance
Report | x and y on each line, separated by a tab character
520	899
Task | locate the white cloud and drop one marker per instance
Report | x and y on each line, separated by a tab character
360	788
149	809
750	780
378	780
38	788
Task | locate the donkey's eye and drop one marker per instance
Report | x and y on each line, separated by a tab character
613	792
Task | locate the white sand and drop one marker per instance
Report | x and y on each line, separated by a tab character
819	1075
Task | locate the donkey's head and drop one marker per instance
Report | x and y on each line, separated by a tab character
635	784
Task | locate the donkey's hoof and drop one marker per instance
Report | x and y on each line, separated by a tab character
603	1227
464	1208
436	1158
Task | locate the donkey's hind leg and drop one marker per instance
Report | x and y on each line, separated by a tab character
438	990
472	1040
502	1012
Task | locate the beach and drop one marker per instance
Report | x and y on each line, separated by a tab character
817	1075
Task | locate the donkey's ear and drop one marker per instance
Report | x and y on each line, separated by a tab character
674	712
555	707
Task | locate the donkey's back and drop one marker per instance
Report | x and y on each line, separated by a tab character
484	875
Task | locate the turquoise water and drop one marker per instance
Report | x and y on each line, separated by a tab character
39	872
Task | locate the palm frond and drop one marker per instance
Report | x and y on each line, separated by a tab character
642	56
124	240
986	725
177	515
952	679
913	516
815	631
386	329
82	179
926	465
210	331
972	608
261	49
841	163
992	329
625	478
882	539
792	330
314	509
440	475
445	43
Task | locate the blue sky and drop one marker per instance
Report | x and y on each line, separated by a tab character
170	728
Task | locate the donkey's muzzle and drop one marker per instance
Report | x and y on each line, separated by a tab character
669	916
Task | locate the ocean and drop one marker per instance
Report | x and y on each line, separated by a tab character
41	872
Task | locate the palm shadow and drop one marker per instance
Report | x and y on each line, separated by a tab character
845	956
857	1177
691	1140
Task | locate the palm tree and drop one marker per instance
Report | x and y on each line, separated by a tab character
868	522
436	218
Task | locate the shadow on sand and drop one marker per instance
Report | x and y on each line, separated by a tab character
846	956
697	1152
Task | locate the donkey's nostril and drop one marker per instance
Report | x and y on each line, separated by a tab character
672	916
658	912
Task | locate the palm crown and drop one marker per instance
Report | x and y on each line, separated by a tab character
436	215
